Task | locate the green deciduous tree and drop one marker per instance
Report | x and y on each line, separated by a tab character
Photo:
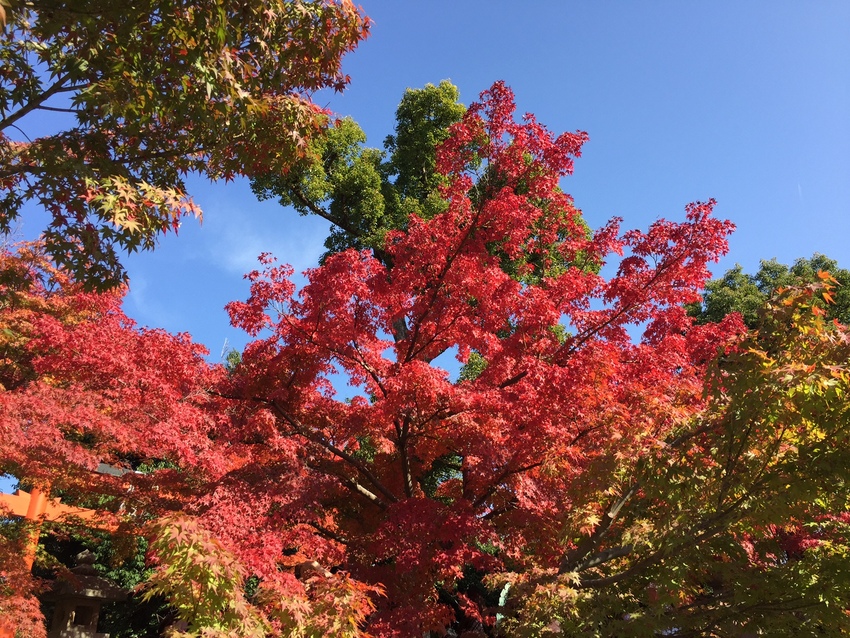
363	191
739	292
155	90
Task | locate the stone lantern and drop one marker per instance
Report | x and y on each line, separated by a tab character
78	601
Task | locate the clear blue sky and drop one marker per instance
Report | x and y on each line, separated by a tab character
746	102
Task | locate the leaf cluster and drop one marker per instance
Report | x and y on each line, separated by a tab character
365	192
206	584
155	90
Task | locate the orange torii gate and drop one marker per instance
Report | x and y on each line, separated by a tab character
37	506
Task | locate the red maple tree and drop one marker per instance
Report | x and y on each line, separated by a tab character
80	385
426	484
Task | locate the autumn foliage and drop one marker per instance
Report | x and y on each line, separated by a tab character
81	385
418	481
154	91
601	465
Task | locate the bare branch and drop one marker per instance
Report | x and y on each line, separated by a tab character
349	482
330	447
321	212
56	109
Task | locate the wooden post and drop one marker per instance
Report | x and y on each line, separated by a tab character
35	510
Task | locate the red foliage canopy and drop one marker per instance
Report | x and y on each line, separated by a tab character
81	385
594	454
419	480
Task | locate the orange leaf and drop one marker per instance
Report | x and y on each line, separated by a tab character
825	276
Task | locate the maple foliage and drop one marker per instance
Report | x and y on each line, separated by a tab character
426	485
210	598
602	465
206	584
155	90
19	607
739	519
82	385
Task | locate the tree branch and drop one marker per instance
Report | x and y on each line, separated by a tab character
576	342
403	431
56	109
324	531
321	212
58	87
354	485
364	364
603	557
350	483
330	447
320	440
597	583
435	285
494	484
573	559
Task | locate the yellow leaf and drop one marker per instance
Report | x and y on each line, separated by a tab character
132	225
590	524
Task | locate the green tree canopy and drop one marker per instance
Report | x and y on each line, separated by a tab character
157	89
366	192
739	292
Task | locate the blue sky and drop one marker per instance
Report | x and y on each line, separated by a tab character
746	102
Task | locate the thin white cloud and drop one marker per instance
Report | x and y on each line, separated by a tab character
236	233
145	308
